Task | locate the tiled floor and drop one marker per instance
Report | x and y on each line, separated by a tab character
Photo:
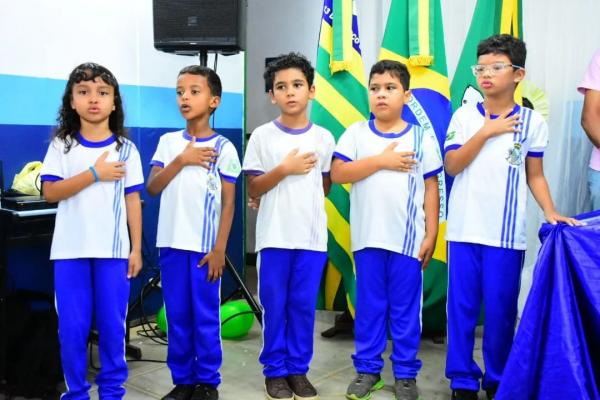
331	368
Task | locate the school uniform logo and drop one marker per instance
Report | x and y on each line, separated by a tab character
515	155
212	183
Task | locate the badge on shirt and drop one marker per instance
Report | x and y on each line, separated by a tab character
211	183
515	155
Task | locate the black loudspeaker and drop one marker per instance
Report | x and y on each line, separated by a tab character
191	26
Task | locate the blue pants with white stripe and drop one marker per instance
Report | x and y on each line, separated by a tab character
389	289
85	287
192	305
478	271
288	285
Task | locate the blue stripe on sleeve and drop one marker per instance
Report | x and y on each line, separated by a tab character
536	154
157	163
228	178
50	178
433	173
253	172
452	147
134	188
341	156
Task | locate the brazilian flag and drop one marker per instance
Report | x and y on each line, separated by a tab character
414	35
340	100
491	17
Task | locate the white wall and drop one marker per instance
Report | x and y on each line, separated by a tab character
43	38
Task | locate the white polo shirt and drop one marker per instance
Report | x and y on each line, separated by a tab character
292	214
488	199
190	205
386	208
92	223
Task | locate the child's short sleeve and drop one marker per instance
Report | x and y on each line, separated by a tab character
134	175
329	146
539	139
253	164
455	136
52	169
228	163
432	158
346	148
159	159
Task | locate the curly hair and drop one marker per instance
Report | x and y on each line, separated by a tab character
287	61
512	47
68	120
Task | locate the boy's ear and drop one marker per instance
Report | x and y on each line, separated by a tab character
311	92
272	96
407	95
215	101
519	75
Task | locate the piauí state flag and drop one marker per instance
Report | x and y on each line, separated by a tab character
491	17
414	35
340	100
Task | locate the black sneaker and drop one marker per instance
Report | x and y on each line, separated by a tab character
363	386
463	394
302	388
491	392
278	389
180	392
204	391
406	389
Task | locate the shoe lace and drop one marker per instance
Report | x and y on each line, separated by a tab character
302	382
362	378
279	384
180	392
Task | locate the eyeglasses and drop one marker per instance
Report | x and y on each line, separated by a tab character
493	69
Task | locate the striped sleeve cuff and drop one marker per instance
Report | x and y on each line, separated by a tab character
50	178
536	154
253	172
134	188
451	147
156	163
230	179
341	156
433	173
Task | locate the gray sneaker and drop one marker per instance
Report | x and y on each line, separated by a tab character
406	389
278	389
363	386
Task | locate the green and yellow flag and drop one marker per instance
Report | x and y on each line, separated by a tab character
491	17
340	100
414	35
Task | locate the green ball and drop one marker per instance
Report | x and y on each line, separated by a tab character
239	325
161	320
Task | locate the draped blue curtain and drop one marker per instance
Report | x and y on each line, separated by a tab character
556	352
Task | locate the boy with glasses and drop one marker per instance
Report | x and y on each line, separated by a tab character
494	150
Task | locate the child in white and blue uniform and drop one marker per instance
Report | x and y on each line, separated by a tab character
95	174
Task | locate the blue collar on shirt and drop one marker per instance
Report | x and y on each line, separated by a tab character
494	116
189	137
292	131
87	143
389	135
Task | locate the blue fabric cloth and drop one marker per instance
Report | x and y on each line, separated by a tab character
556	351
480	273
192	305
288	284
389	287
86	287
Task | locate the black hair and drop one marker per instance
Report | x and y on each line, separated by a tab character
394	68
69	122
512	47
212	79
287	61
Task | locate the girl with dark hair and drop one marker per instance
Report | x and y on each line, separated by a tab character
94	173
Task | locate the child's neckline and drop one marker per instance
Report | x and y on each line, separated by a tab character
187	136
292	131
391	135
481	110
89	143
